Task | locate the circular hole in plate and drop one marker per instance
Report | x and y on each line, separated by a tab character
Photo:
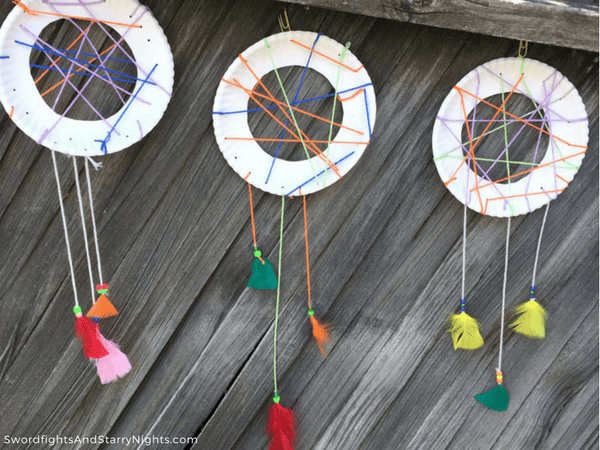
263	126
521	152
104	83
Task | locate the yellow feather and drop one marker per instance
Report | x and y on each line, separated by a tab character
465	332
532	320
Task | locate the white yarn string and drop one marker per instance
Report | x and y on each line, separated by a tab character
537	252
89	185
464	251
83	227
64	221
499	369
96	165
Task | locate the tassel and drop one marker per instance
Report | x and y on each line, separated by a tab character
87	331
496	399
320	332
102	309
465	332
532	319
281	427
114	365
263	276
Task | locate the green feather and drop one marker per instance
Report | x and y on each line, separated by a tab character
263	276
495	399
532	320
465	332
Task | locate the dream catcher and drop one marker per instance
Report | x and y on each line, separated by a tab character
326	160
554	111
137	66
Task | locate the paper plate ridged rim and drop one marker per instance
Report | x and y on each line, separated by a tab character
248	159
561	104
79	137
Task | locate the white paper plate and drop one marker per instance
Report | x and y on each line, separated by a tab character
248	159
78	137
565	112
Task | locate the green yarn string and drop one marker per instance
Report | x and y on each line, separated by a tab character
289	107
506	144
277	302
337	83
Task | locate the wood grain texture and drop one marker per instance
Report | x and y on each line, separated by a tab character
385	247
569	23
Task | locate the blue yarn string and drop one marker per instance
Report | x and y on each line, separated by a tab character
83	63
368	119
107	138
319	174
295	98
94	56
293	103
85	74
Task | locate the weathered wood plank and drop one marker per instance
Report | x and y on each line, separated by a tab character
385	252
568	24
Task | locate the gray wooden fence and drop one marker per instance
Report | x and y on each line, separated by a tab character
385	247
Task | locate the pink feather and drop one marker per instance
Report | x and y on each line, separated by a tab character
114	365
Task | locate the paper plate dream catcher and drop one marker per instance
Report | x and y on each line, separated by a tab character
326	160
556	113
41	108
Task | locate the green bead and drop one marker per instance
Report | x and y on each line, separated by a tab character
311	312
257	253
77	309
276	399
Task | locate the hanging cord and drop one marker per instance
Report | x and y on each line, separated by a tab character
89	185
84	229
499	369
310	310
464	253
276	392
537	252
64	221
256	252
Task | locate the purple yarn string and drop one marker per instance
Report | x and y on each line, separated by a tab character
73	102
97	53
522	127
62	88
123	50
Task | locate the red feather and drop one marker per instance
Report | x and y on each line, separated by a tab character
86	330
281	428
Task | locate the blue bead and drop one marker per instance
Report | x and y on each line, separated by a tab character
462	308
532	288
96	319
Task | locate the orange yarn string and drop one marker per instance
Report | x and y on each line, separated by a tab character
351	97
314	116
333	167
320	330
472	147
77	71
60	57
33	12
516	117
291	140
313	148
531	170
327	57
252	219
